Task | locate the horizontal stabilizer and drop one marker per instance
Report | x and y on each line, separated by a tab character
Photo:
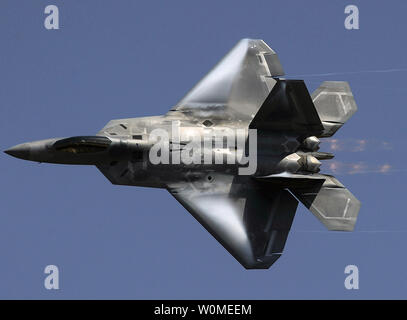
288	108
335	105
334	205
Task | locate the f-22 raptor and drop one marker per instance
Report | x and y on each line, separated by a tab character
250	213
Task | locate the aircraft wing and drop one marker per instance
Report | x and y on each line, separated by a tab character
251	222
237	86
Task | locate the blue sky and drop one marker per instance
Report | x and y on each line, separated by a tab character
119	59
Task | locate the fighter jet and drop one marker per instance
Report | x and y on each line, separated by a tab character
247	206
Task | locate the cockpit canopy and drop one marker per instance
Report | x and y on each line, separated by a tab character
82	144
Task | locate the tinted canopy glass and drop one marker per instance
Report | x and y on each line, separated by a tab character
82	144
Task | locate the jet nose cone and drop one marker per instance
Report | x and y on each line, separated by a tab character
21	151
